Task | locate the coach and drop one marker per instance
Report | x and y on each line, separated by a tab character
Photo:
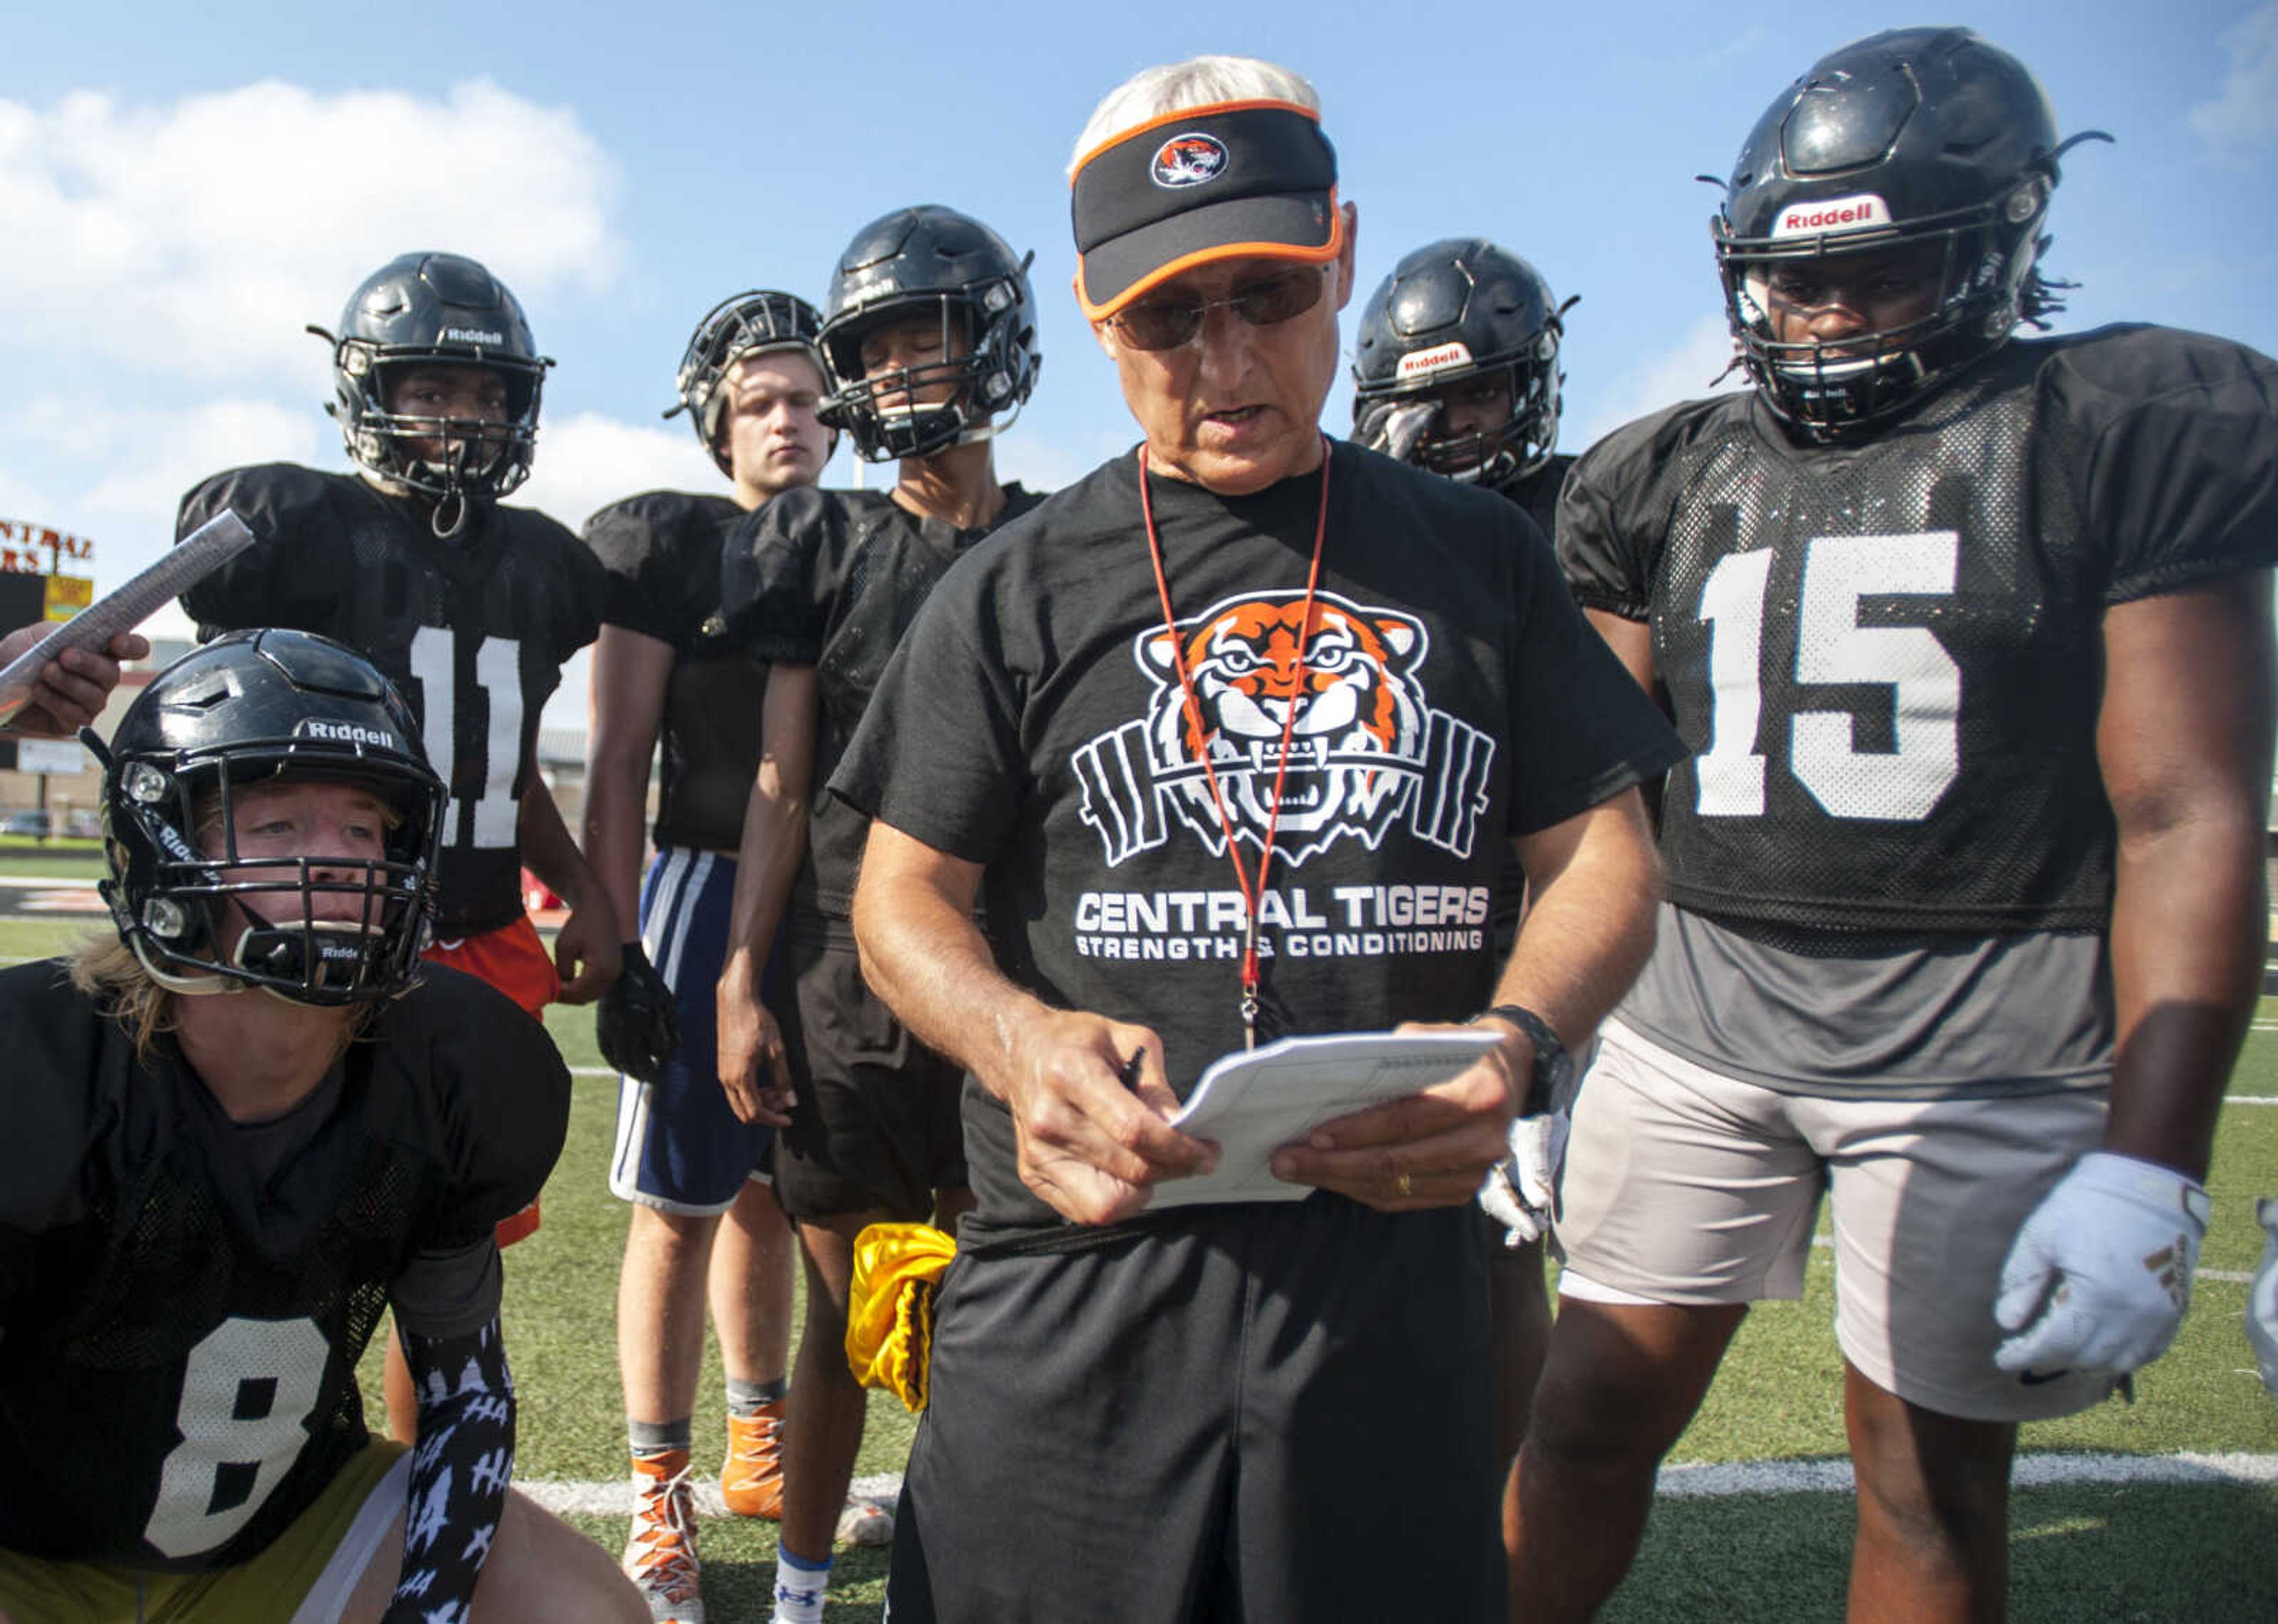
1223	739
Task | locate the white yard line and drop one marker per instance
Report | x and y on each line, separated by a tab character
615	1498
1684	1481
2033	1471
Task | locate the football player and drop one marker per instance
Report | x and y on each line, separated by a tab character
929	339
1455	370
469	606
751	381
1971	633
236	1129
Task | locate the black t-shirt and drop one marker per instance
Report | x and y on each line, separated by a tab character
1032	723
475	629
832	579
1889	655
662	552
180	1319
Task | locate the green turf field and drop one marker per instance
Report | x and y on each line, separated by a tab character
2081	1552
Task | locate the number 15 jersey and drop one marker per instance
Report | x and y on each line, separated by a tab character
1887	656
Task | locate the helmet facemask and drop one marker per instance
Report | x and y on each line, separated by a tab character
205	917
882	412
1984	261
750	323
1521	444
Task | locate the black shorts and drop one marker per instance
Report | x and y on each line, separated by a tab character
876	1126
1249	1412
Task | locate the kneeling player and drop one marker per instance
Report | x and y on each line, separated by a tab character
234	1134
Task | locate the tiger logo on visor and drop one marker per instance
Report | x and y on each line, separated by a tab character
1366	751
1188	160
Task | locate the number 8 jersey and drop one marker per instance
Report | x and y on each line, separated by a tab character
1886	656
474	631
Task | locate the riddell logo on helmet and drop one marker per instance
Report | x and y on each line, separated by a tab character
1188	160
1439	358
1836	214
471	335
346	733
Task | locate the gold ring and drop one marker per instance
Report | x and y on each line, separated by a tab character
1401	1184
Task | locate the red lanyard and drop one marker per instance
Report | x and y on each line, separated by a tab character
1251	900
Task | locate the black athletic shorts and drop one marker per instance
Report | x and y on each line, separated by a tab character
877	1127
1247	1413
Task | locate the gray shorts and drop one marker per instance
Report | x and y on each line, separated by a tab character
1684	1185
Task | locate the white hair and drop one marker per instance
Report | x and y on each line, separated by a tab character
1200	81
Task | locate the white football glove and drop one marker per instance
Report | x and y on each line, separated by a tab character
2262	1302
2098	1278
1521	1191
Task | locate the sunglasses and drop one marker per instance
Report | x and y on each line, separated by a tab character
1166	323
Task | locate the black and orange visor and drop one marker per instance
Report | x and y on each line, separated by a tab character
1231	180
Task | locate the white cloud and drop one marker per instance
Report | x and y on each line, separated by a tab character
1681	373
117	475
589	461
199	237
2246	113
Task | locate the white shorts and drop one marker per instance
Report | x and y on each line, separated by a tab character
1684	1185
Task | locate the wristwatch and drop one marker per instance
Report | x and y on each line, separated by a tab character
1554	1068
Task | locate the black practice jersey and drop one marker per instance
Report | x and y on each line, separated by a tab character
662	552
178	1332
474	630
1035	722
1888	656
1537	494
832	579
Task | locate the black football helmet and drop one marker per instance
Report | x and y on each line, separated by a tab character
1915	136
748	325
1456	309
929	259
435	309
246	709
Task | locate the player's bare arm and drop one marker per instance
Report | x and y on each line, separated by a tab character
586	949
629	671
766	862
1089	1145
73	687
1631	641
1595	882
2184	741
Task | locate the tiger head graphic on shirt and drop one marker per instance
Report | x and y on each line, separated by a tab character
1355	744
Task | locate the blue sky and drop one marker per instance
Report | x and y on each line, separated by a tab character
182	190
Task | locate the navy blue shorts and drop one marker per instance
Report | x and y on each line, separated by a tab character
679	1145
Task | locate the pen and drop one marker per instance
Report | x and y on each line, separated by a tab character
1128	1073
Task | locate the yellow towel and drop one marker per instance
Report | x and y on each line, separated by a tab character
889	1306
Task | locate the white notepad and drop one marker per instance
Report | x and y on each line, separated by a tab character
1254	1103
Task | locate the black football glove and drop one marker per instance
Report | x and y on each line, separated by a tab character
638	1023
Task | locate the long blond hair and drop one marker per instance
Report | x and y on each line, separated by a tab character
112	974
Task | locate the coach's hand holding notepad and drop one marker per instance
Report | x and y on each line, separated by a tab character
1258	1102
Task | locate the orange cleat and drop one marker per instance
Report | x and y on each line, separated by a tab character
751	1479
661	1557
